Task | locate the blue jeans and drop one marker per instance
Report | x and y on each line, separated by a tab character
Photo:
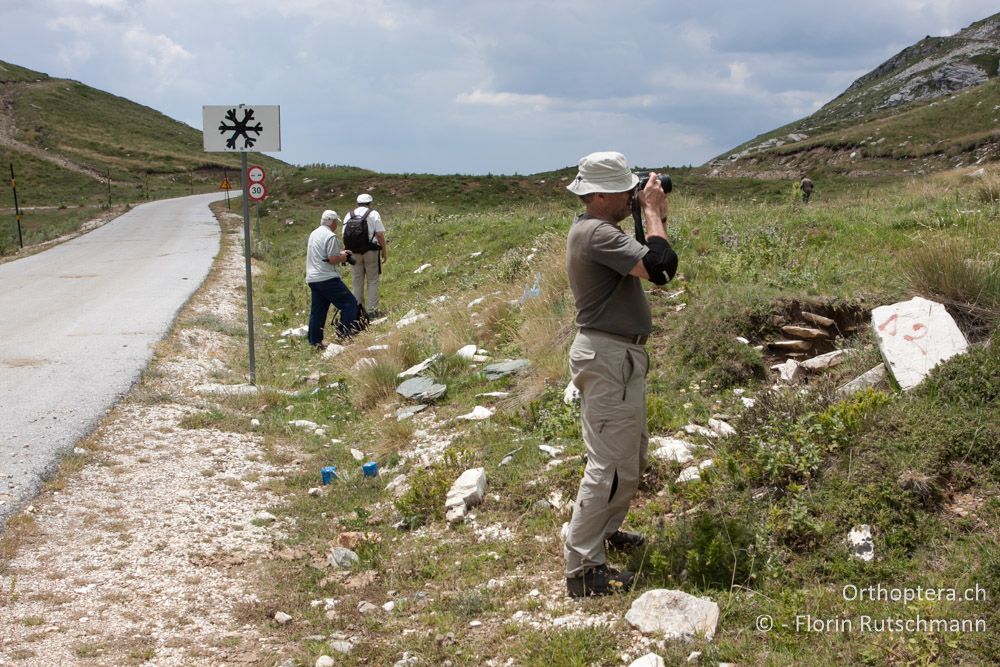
332	292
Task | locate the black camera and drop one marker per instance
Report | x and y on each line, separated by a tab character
350	258
665	181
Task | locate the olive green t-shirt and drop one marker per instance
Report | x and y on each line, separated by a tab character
599	256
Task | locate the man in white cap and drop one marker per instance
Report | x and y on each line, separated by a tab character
608	360
323	256
369	252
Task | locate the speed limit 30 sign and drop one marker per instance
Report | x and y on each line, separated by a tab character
257	191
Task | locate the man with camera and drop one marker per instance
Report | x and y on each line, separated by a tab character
608	360
323	255
371	253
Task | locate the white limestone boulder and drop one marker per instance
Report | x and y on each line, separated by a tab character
915	336
673	615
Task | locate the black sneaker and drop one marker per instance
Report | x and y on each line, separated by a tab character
625	541
601	580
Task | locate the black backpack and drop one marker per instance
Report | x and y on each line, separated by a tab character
356	233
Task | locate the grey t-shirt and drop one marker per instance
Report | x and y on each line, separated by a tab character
599	256
322	243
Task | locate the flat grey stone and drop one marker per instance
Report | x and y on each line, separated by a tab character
343	558
867	379
409	411
421	389
504	368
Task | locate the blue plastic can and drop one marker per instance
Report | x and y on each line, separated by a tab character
371	469
329	474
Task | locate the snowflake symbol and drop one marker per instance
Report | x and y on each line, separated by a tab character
240	127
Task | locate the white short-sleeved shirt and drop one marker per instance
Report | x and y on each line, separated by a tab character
322	243
374	220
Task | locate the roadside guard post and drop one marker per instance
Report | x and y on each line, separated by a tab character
244	128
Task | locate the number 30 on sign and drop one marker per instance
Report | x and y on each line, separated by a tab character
257	191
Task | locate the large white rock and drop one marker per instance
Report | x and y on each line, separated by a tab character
478	413
828	360
915	336
648	660
467	491
467	351
671	449
571	394
674	614
693	473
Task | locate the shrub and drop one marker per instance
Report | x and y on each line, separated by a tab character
424	500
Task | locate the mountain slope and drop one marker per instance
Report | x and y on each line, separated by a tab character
933	105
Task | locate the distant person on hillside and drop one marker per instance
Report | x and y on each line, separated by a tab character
608	360
364	234
323	255
806	186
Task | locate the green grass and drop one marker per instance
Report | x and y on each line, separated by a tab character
762	533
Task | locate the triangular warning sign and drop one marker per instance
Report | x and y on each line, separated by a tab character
225	184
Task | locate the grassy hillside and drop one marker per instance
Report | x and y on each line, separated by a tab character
66	140
763	532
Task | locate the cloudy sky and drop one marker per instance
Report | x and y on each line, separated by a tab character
469	86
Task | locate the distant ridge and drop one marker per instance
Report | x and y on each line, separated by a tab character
933	105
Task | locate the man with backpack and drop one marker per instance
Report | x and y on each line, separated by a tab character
364	235
323	257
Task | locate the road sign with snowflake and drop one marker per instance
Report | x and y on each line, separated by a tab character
241	128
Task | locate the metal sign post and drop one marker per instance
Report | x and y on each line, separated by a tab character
17	209
243	128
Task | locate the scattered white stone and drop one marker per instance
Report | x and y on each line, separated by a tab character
693	473
478	413
408	411
281	617
325	661
571	394
343	558
861	542
341	646
828	360
696	429
407	660
694	656
255	423
476	254
476	302
321	432
915	336
264	517
332	350
869	378
467	492
671	449
741	339
389	606
417	369
398	486
365	607
674	615
721	427
648	660
748	402
467	352
376	348
304	423
412	317
296	332
315	492
79	450
363	363
475	624
422	268
357	454
552	452
494	394
439	299
788	371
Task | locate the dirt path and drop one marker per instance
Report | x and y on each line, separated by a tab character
147	553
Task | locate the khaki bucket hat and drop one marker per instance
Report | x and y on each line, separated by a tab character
604	171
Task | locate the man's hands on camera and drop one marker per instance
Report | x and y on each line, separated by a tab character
349	257
653	199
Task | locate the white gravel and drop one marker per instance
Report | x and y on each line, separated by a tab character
149	551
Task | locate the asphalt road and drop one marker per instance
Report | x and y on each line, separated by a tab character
78	323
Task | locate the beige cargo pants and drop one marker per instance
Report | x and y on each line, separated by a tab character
364	275
611	377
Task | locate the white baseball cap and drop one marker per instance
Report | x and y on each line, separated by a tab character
364	199
605	171
329	217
